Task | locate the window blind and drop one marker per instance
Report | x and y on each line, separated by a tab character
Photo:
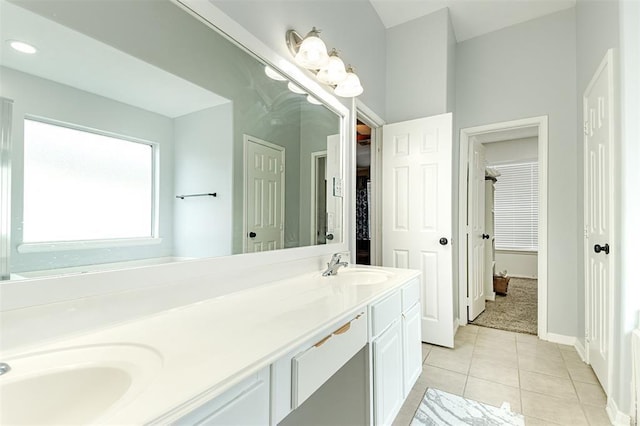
516	207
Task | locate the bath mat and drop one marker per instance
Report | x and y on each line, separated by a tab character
439	408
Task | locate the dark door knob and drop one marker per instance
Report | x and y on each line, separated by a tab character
485	236
329	236
598	248
443	241
252	234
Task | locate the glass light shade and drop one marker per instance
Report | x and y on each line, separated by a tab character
335	72
273	74
296	89
313	100
312	53
350	87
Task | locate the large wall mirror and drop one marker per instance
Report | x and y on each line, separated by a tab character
140	135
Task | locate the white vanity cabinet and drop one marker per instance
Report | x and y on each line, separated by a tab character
411	335
245	404
396	350
387	353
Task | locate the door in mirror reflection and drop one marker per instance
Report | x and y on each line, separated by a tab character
264	195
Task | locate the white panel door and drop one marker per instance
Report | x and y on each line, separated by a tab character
416	217
264	195
599	122
387	370
476	236
334	195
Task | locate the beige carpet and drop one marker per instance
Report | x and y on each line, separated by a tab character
517	311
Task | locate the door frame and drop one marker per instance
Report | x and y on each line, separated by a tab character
314	174
375	122
247	139
466	138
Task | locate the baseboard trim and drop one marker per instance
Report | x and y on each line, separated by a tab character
582	352
491	297
561	338
616	417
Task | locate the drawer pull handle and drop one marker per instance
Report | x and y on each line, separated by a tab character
322	342
343	329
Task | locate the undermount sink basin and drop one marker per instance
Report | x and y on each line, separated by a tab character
76	385
363	276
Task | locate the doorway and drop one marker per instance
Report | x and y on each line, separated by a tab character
363	193
518	151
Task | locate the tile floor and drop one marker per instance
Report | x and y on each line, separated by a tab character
546	382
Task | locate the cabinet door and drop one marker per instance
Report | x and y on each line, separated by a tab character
245	404
412	347
387	374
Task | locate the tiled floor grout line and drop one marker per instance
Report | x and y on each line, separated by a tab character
482	342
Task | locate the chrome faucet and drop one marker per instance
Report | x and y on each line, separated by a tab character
334	264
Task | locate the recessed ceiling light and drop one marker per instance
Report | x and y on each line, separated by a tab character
22	47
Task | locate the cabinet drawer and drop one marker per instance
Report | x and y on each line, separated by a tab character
384	313
410	294
314	366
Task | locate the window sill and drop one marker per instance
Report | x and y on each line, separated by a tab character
86	245
516	251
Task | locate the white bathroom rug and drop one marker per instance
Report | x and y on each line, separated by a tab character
439	408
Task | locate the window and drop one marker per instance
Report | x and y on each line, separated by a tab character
516	207
81	185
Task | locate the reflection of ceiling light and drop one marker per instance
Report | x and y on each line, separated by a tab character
313	100
22	47
273	74
296	89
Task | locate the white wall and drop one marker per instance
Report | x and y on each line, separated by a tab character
525	149
47	99
419	57
203	163
522	71
517	264
352	27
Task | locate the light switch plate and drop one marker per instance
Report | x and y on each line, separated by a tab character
337	187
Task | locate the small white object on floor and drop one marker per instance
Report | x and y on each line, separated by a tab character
439	408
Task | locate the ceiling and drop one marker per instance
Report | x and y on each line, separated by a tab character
470	18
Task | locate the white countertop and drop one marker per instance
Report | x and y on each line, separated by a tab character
207	347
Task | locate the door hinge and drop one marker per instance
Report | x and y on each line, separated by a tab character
468	301
586	232
586	128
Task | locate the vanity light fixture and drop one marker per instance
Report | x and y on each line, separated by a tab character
350	86
22	47
335	72
310	52
273	74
